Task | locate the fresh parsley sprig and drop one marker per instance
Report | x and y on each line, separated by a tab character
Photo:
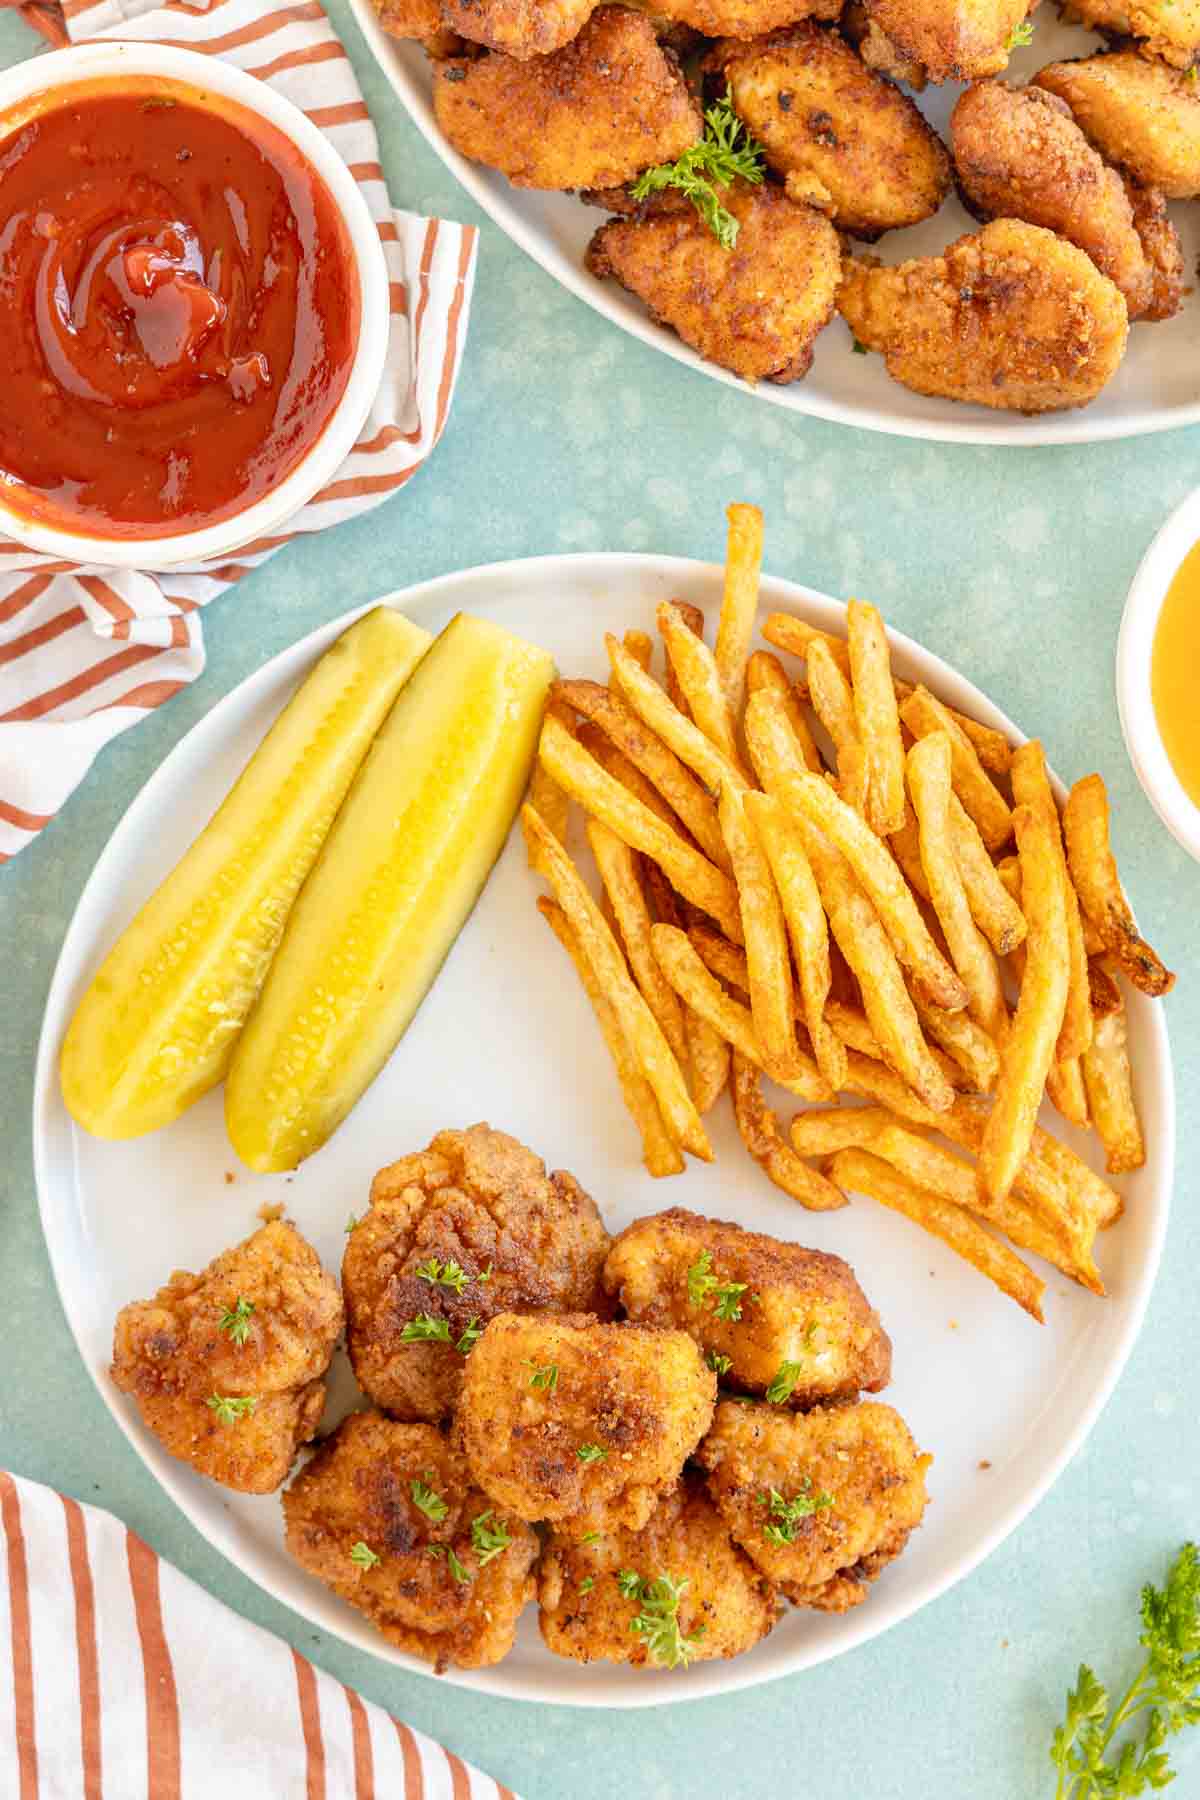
425	1329
363	1555
235	1320
1165	1692
786	1377
430	1502
725	152
445	1274
657	1622
702	1285
785	1515
488	1539
229	1408
1020	35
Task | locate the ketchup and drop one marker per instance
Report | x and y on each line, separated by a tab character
179	308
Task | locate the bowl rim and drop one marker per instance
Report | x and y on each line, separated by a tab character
1135	650
79	64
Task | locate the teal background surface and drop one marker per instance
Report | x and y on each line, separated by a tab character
568	435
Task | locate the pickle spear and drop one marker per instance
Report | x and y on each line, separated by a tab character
403	866
156	1028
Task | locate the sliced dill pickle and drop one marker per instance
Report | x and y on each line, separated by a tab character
400	871
157	1027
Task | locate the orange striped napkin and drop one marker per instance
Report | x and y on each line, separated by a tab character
127	1679
85	653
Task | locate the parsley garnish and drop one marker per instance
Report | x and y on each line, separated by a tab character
590	1453
720	1365
351	1224
859	349
446	1274
431	1504
363	1555
587	1584
590	1537
488	1540
1166	1687
785	1380
485	1274
235	1320
725	152
658	1620
786	1515
469	1338
456	1568
727	1303
1020	35
545	1375
426	1330
229	1408
726	1295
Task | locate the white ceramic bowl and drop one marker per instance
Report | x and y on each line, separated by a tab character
1135	648
87	62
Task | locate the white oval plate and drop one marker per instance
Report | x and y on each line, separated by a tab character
506	1035
1156	388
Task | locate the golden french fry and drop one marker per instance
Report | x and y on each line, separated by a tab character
618	765
1065	1090
649	1047
769	966
660	1152
1052	1182
807	928
693	618
840	1128
853	1030
866	1173
739	603
991	747
678	786
764	670
928	766
1103	991
760	1133
906	848
708	1053
834	705
685	970
548	799
973	785
993	908
655	709
876	716
873	866
1109	1081
695	667
1029	1048
965	1042
640	646
787	632
697	879
618	868
1031	787
1094	872
876	1082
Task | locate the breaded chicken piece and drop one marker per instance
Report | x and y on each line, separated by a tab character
819	1501
470	1227
1164	29
593	114
844	138
1162	248
876	49
387	1516
590	1593
565	1418
1138	113
950	40
1013	317
746	18
520	28
226	1366
762	1310
1020	155
755	309
422	20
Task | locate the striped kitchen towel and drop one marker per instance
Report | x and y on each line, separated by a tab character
85	653
125	1679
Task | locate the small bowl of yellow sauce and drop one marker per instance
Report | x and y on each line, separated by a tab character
1158	674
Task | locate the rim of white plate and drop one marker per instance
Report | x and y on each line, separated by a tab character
1081	426
705	1679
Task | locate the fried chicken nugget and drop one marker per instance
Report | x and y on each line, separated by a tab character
756	308
746	18
591	1594
1013	317
593	114
520	28
949	40
1162	248
1138	113
387	1516
226	1366
1168	29
1020	155
566	1418
470	1227
822	1501
419	19
846	140
793	1314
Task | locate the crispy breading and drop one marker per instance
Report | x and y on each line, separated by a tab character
422	20
877	49
726	1606
747	18
952	40
855	1480
600	1436
480	1199
755	309
799	1306
1012	317
283	1316
1020	155
593	114
520	28
845	138
360	1489
1161	247
1138	113
1164	29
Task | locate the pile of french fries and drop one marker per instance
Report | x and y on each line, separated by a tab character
836	881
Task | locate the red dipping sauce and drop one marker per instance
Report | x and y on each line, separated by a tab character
179	308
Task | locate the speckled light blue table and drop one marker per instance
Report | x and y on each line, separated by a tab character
567	435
